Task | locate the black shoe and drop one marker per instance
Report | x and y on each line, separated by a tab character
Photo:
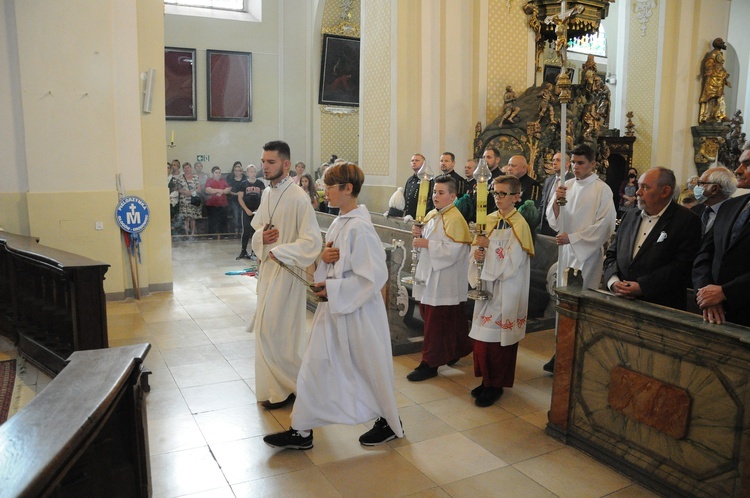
488	396
380	433
422	372
243	255
477	390
289	439
272	406
549	366
453	362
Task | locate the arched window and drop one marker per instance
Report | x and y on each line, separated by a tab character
241	10
590	44
235	5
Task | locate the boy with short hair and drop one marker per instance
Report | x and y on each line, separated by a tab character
443	272
346	375
500	323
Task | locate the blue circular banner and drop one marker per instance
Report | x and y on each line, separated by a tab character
132	214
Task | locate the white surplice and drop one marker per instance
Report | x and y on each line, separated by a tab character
443	266
589	220
280	317
506	273
347	371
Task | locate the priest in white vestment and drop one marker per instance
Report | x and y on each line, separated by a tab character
287	230
586	222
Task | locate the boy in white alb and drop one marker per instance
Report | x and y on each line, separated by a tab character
500	323
347	371
443	272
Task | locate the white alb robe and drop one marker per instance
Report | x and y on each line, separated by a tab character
443	267
589	220
280	318
506	273
347	371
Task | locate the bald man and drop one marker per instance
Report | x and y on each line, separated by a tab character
530	188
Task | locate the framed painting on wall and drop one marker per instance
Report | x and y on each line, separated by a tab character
339	71
230	91
179	83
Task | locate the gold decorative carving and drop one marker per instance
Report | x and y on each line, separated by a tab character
629	127
345	27
338	110
713	108
708	149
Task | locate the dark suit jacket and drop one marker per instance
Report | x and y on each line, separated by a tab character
727	265
662	269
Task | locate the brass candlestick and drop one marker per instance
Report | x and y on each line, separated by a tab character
479	294
483	176
425	175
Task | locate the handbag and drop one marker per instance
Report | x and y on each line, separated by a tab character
194	200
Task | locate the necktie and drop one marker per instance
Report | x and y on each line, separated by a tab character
704	219
740	223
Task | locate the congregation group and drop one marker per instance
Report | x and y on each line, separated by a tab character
648	247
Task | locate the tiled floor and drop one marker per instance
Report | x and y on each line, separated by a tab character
206	428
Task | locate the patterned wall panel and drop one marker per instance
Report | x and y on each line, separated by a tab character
339	134
641	89
507	52
376	80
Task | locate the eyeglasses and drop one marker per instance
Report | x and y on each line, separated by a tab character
335	185
502	195
707	183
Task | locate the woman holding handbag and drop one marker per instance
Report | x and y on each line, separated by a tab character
190	204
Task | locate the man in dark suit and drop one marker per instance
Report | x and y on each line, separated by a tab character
654	247
447	168
715	186
721	272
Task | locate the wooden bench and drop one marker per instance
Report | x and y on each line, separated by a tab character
85	434
52	302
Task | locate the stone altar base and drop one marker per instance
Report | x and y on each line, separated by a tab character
656	393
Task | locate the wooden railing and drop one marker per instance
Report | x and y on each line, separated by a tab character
52	302
85	434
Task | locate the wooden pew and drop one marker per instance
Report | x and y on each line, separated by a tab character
85	434
52	302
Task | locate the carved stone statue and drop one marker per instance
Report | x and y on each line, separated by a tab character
588	72
478	144
715	78
604	153
532	12
545	106
591	124
510	109
561	22
602	99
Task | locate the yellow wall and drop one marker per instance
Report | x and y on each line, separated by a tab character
339	133
507	53
14	214
82	126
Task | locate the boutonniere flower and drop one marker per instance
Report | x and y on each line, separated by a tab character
662	237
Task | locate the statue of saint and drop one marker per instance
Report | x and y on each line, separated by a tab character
510	109
545	106
715	78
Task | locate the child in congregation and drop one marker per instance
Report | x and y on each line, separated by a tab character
441	282
500	322
346	375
